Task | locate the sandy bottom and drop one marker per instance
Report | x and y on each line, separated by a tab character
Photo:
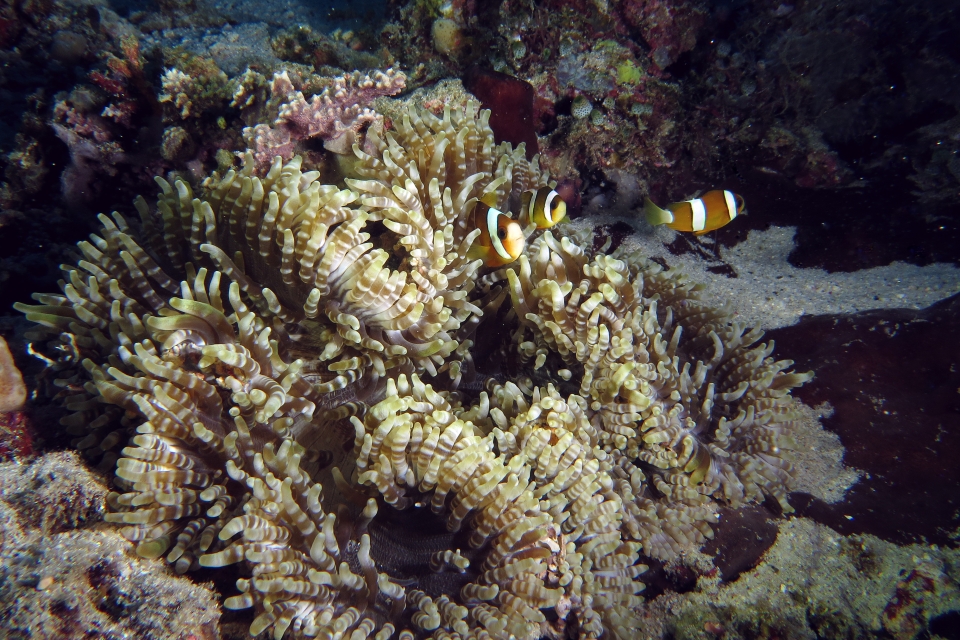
770	293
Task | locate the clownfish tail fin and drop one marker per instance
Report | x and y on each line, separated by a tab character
656	215
524	216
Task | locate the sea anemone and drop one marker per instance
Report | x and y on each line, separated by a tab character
280	361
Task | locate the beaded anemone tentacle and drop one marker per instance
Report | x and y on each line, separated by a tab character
679	389
298	253
422	181
545	520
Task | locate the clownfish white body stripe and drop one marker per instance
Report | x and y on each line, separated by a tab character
701	215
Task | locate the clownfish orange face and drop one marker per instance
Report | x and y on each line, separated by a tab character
501	239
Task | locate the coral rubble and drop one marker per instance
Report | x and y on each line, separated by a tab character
63	573
816	583
289	368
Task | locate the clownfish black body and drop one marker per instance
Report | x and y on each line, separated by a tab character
544	207
501	238
701	215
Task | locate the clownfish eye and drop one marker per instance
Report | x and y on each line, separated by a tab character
501	233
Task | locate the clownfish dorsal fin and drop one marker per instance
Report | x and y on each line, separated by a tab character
489	196
489	199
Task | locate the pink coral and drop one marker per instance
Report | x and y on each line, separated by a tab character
93	151
86	126
94	141
669	26
336	115
13	393
125	83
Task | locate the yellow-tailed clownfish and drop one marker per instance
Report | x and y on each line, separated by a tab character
543	206
710	211
501	238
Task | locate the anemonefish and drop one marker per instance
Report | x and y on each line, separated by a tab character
501	238
710	211
544	207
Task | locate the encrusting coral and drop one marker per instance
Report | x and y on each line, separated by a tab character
335	115
288	355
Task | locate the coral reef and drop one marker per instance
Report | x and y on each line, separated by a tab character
289	367
94	153
342	49
92	123
311	383
18	440
64	574
96	99
828	93
669	28
103	80
194	87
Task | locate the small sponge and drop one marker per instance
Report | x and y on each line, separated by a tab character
13	393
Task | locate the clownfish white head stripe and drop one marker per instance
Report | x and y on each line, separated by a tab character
497	235
547	210
710	211
501	239
731	201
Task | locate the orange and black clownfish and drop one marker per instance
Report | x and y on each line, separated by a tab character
501	238
710	211
543	206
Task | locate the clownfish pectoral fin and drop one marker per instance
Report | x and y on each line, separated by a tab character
477	252
656	215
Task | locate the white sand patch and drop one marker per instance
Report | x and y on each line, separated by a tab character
769	292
